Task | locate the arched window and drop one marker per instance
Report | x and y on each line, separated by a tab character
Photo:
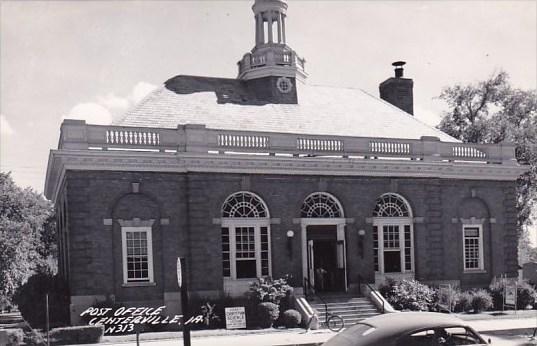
244	204
393	238
391	205
245	236
321	205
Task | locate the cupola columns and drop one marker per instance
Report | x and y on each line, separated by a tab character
268	12
271	56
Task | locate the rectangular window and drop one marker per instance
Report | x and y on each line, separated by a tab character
137	254
245	252
264	251
392	250
226	260
473	247
408	248
376	248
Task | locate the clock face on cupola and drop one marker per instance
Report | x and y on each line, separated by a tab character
272	68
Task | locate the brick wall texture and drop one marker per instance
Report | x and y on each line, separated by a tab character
191	202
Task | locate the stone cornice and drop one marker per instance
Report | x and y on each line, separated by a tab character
182	162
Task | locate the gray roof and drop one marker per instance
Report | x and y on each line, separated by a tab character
222	103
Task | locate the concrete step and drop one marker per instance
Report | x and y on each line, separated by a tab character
351	309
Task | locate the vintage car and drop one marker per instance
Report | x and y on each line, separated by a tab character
408	329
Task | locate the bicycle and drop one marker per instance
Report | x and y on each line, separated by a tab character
335	323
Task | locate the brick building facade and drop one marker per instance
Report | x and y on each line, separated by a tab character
242	178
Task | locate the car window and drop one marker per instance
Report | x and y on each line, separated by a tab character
452	336
421	338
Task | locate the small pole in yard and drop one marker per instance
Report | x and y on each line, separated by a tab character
183	285
46	307
137	337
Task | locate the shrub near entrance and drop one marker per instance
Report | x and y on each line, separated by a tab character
268	313
409	295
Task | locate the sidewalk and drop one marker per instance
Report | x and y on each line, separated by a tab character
520	323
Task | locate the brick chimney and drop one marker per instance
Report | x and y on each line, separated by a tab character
398	90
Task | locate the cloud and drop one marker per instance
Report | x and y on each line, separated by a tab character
113	102
5	127
93	113
141	90
110	107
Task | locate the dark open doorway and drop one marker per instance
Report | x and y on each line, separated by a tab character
328	274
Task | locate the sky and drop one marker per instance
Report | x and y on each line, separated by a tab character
94	60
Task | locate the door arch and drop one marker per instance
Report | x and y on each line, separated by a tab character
324	212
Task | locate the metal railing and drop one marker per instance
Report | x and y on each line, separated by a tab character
76	134
309	287
372	289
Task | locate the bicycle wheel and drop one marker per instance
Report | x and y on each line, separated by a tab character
335	323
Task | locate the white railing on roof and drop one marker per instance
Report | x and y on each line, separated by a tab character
242	141
319	144
77	135
270	58
129	137
389	147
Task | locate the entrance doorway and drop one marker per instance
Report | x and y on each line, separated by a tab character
326	268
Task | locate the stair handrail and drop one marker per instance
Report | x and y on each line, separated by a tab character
373	290
308	285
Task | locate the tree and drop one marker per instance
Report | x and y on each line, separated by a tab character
492	111
27	236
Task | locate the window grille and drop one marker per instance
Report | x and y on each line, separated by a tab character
321	205
245	237
473	248
137	254
390	205
244	204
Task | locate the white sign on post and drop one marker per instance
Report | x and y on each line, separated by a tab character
179	275
235	317
510	295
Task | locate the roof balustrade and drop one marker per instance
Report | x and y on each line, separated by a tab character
77	135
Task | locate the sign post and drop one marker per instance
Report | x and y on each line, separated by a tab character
511	295
182	282
445	293
235	317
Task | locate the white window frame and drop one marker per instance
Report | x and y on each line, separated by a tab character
400	222
148	231
257	223
480	239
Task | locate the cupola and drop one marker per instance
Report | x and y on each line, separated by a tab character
272	66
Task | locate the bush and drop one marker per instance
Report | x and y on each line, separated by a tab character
268	313
33	338
526	295
411	295
15	336
448	298
30	299
268	290
463	302
496	289
291	318
77	335
481	301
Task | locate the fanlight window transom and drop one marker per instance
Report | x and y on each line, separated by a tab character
390	205
244	204
321	205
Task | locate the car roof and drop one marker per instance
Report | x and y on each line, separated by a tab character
391	326
407	321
